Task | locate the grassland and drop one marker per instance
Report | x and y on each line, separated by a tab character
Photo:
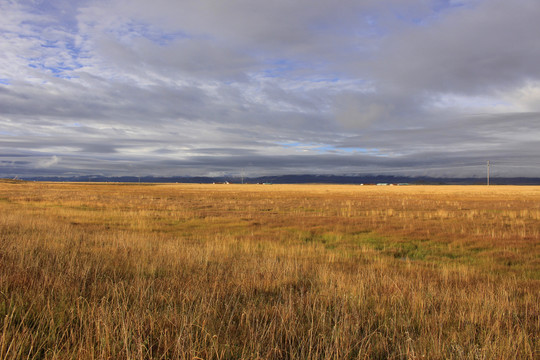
111	271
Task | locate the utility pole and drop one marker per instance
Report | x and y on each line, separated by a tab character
488	172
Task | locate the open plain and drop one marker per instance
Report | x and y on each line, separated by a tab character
138	271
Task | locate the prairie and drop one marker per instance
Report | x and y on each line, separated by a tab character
159	271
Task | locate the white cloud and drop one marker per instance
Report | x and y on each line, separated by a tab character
525	98
47	163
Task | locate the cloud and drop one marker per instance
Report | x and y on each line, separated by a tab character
357	113
47	163
488	46
208	87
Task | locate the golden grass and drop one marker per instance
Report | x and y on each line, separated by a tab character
112	271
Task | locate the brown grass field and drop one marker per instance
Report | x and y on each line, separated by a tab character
177	271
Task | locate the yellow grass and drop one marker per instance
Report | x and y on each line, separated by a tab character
113	271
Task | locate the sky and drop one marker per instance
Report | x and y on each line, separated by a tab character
249	87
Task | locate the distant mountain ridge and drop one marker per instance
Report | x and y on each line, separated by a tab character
298	179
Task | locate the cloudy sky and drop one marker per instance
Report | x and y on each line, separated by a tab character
214	87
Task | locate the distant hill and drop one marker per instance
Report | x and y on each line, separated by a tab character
297	179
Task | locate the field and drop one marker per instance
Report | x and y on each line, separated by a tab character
118	271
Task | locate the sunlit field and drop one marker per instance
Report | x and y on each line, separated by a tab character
144	271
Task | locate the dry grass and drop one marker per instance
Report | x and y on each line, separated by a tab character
275	272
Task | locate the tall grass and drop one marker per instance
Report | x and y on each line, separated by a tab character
276	272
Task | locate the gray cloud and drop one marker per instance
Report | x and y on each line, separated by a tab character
477	49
